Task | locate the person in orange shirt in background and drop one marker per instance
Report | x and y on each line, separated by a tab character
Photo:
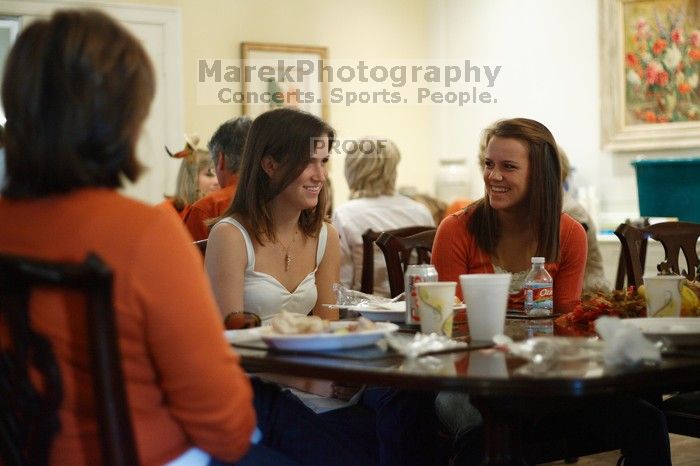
76	91
226	148
456	205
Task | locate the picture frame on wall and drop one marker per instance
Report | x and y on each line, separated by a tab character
282	75
649	74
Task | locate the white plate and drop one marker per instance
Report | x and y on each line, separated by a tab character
684	331
314	341
242	336
389	312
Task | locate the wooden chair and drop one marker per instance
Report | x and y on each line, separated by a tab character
368	239
683	410
29	418
622	263
675	237
397	253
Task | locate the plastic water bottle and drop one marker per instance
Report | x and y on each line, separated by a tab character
538	290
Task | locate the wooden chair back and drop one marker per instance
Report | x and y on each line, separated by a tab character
675	237
682	411
29	418
622	262
368	239
397	254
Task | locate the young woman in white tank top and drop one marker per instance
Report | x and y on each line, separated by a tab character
272	250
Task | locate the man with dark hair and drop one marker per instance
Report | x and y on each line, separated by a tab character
226	148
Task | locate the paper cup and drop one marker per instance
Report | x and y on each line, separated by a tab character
435	303
486	297
663	295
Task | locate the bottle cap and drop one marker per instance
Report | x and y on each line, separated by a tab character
538	260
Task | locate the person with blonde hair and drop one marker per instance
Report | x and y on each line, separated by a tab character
370	170
196	177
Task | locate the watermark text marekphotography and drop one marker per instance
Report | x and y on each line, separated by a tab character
307	82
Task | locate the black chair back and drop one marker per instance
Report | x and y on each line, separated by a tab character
675	237
397	253
682	410
29	418
368	239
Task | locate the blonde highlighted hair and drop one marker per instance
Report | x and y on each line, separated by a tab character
187	183
370	167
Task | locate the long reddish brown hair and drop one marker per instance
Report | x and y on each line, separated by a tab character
544	197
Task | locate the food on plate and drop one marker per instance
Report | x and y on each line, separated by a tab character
690	303
289	323
360	325
623	304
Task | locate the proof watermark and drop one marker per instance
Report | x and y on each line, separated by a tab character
311	83
360	147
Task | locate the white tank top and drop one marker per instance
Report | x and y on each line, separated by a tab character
264	295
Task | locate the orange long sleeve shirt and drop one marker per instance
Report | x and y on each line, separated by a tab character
455	252
207	208
183	382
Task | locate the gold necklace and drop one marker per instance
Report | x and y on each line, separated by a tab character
285	249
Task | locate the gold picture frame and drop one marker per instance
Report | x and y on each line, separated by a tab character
284	75
649	58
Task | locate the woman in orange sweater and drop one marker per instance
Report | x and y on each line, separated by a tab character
519	217
76	92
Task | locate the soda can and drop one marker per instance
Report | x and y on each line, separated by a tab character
416	274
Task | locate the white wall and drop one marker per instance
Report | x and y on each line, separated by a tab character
549	53
351	30
159	30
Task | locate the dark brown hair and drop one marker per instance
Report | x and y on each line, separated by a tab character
288	136
544	196
76	90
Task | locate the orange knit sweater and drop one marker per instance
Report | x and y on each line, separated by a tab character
455	252
207	208
183	382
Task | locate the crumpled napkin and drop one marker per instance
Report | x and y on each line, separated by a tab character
547	352
625	345
347	297
422	344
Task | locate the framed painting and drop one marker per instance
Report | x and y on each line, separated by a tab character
279	75
650	67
